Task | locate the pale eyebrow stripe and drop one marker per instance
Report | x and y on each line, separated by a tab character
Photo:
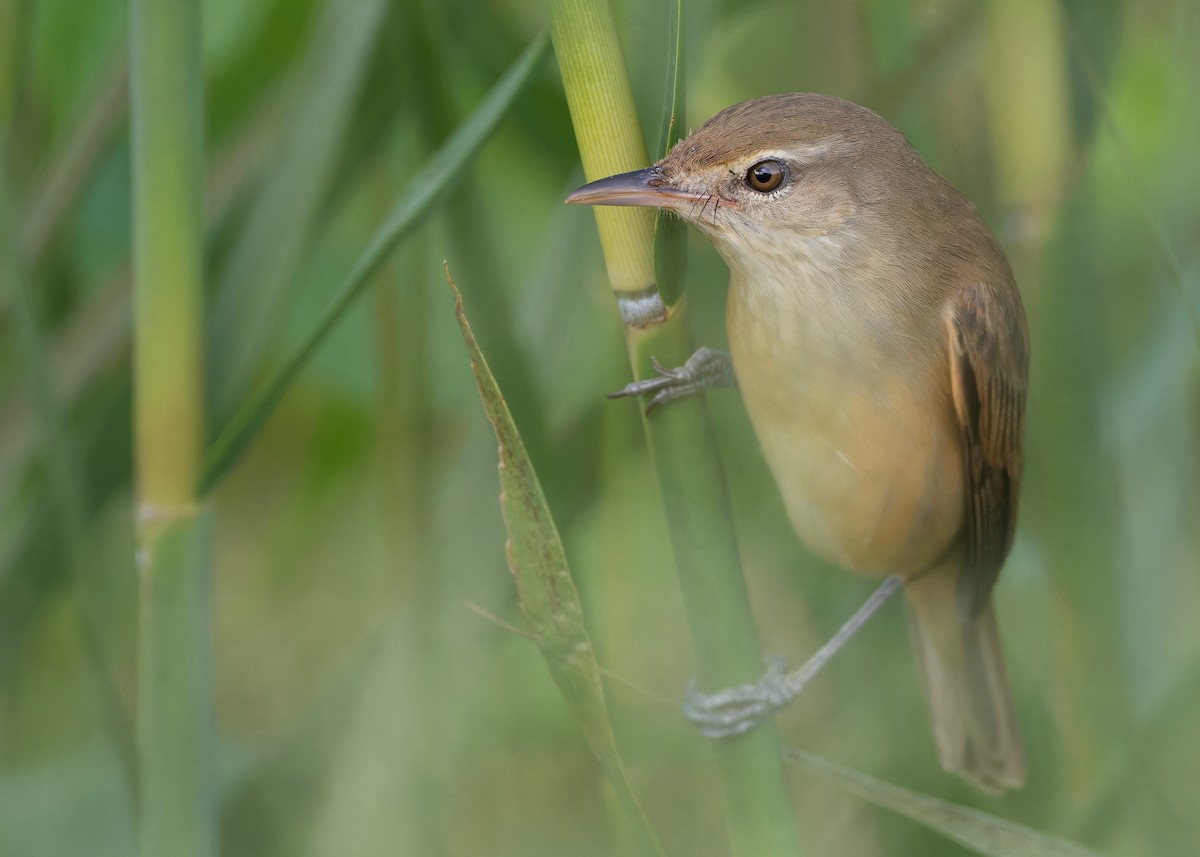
806	153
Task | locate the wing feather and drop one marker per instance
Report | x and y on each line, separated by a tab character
989	373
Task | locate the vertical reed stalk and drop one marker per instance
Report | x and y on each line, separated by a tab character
692	485
176	742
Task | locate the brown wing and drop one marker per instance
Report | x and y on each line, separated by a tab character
989	370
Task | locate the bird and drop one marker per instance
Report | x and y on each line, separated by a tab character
881	349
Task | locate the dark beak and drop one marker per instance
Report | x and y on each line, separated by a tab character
640	187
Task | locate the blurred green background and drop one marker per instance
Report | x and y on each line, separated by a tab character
364	704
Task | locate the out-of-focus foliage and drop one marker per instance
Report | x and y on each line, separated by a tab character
363	707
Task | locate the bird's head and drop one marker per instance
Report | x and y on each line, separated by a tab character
770	176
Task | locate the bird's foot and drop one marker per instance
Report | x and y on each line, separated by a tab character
706	369
737	710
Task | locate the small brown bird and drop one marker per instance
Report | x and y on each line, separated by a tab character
881	349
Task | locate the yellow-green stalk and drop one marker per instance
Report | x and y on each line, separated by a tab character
691	483
176	744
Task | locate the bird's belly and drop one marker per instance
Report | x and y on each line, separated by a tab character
870	470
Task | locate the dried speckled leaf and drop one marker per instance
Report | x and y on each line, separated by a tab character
548	598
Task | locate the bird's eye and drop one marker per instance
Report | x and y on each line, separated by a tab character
765	176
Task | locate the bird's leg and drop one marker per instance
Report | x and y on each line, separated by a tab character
707	369
736	710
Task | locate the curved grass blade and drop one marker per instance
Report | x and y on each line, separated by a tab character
670	232
254	288
671	129
426	190
759	814
67	488
548	598
983	833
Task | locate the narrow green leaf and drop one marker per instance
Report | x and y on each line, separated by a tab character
548	598
983	833
759	815
670	232
49	436
426	190
671	130
75	161
255	285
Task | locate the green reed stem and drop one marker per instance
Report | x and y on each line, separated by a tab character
176	740
690	479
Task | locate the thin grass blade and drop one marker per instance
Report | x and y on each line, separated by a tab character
426	191
673	123
681	441
670	232
255	286
979	831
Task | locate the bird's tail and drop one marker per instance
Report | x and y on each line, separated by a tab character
962	672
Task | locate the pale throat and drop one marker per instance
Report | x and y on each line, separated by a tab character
786	285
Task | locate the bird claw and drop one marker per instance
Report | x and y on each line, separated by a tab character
665	387
678	373
705	369
737	710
